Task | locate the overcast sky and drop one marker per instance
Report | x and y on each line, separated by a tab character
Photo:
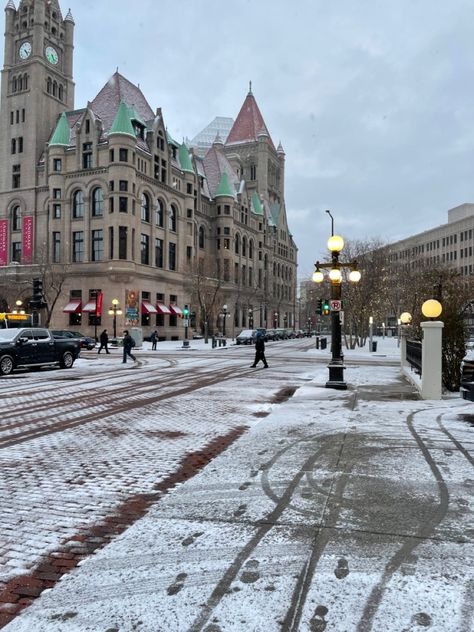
371	99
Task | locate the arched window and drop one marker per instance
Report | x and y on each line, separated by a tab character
160	213
201	237
97	202
16	218
25	82
55	88
61	92
250	249
244	246
78	204
237	244
14	84
172	218
20	83
265	262
49	85
145	208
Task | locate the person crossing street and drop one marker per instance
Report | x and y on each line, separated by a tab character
260	351
128	344
104	341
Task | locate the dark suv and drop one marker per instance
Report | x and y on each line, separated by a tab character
86	341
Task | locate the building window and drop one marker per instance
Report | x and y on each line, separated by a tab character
87	155
172	256
123	185
145	208
77	246
237	244
123	204
13	146
244	246
189	252
78	204
253	172
123	155
145	249
250	249
226	209
97	202
122	242
88	126
56	247
172	217
97	245
201	241
158	253
160	213
16	176
56	211
16	251
111	242
57	164
16	218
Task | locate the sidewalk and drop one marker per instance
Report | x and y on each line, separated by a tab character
346	511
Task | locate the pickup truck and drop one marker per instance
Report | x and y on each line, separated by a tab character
35	347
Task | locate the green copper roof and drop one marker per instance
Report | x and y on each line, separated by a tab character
257	206
122	123
171	140
134	116
184	159
62	133
224	188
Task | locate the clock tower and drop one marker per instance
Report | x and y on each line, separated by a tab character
36	86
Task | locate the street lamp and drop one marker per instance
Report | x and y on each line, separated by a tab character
115	311
371	332
224	314
250	318
335	245
18	309
275	320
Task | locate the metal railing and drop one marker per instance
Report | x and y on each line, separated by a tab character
414	355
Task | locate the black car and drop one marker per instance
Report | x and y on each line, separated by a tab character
86	341
467	376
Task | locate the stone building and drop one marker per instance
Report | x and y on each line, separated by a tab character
104	196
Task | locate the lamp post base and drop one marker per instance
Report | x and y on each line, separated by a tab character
336	376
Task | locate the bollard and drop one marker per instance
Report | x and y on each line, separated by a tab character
224	342
214	342
317	342
185	344
324	342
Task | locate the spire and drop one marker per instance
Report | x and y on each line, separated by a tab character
69	17
250	88
249	123
10	5
218	141
224	189
62	133
122	123
280	149
184	159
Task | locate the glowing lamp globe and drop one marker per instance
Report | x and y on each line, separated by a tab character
335	243
335	275
354	276
318	276
405	318
431	308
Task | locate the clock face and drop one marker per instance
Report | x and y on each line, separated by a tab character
25	50
51	55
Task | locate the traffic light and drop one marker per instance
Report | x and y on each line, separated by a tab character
326	308
185	311
37	298
319	306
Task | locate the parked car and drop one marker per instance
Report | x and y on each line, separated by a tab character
246	337
86	341
281	333
271	334
33	348
467	376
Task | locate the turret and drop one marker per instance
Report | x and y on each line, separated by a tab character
10	14
68	44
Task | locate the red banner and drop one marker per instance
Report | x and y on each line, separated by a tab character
3	242
98	306
27	240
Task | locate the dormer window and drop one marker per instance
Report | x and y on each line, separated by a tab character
88	126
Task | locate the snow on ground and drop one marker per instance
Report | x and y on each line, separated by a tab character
340	510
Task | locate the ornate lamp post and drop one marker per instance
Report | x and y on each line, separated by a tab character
275	320
115	311
250	318
19	307
335	245
224	315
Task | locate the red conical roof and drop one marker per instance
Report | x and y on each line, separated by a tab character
248	124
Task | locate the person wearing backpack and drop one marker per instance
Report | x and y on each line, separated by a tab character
128	344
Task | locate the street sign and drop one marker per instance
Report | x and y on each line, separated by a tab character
186	322
335	305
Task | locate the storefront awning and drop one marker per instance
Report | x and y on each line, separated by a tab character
90	306
176	310
73	307
148	308
162	309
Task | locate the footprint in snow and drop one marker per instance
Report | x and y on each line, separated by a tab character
177	585
245	485
191	538
240	511
250	574
342	569
318	623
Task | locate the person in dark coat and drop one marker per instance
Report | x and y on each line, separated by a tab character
104	341
128	344
154	340
260	351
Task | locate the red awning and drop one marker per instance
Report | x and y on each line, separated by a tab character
176	310
73	306
162	309
90	306
148	308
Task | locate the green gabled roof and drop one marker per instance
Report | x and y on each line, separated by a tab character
62	133
122	123
257	206
134	116
184	159
171	140
224	189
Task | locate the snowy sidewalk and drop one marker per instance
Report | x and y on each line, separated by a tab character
346	511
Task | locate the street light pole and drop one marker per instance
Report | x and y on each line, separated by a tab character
115	311
224	312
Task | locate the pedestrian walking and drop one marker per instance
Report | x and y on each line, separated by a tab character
260	351
154	340
104	342
128	344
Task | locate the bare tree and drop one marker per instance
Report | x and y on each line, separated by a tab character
205	288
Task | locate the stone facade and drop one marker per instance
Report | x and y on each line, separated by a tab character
103	196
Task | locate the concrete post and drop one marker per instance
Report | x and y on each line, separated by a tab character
431	378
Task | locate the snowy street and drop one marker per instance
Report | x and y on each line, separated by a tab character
189	491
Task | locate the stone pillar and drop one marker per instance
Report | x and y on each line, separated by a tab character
431	379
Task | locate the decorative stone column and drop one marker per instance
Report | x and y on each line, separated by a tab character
431	360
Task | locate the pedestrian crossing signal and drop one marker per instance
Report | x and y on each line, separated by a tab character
326	307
